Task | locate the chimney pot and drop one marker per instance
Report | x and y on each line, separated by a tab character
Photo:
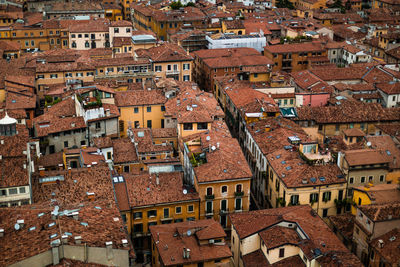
1	232
21	223
78	239
41	172
124	242
64	239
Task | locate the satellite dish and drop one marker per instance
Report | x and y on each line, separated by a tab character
17	227
184	191
189	233
208	138
369	144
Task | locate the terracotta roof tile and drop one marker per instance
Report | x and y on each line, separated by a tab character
391	244
165	53
143	189
252	222
23	244
75	186
170	247
124	151
139	97
366	157
382	212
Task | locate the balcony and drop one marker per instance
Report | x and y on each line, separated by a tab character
239	194
209	212
166	218
171	72
209	197
127	74
223	212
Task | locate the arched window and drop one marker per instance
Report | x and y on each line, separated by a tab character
209	191
238	188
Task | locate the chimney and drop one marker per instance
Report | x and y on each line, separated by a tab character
41	172
60	166
1	232
69	170
186	253
78	239
75	215
381	243
88	167
2	141
124	243
90	196
21	223
108	112
157	179
109	250
55	252
64	239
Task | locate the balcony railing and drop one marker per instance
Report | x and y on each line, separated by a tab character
239	194
209	212
171	72
224	211
209	197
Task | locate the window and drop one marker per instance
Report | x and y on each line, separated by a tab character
370	178
281	252
224	205
22	190
126	168
381	178
238	204
363	179
136	110
324	213
186	66
190	208
138	228
224	189
351	180
294	200
188	126
68	74
87	45
73	45
128	30
166	213
178	210
340	195
65	143
326	196
186	78
148	123
65	42
137	215
12	191
108	155
158	68
148	109
202	126
40	76
209	191
359	201
53	76
209	207
3	192
151	213
238	188
313	197
162	108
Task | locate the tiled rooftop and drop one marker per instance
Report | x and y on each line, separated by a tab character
248	223
143	189
170	246
390	249
382	212
98	222
75	186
